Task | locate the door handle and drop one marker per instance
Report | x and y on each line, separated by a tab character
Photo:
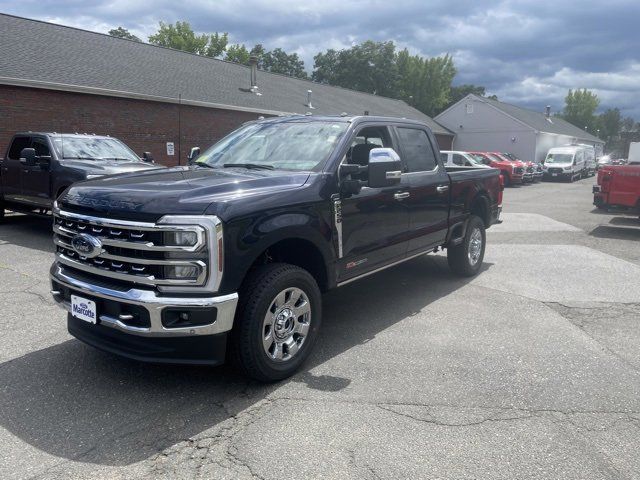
442	188
401	195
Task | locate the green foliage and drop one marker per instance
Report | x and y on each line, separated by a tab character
609	123
279	61
425	83
580	107
238	54
121	32
182	37
459	92
369	67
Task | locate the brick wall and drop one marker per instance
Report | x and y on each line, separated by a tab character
143	125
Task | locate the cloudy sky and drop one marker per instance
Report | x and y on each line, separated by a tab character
528	52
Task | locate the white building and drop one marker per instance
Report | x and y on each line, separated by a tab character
481	124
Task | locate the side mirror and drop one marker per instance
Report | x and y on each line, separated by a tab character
193	154
28	157
385	168
147	157
44	161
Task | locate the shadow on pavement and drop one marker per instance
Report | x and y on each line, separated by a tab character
616	232
27	231
74	402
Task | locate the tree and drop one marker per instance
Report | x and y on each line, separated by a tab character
123	33
457	93
279	61
580	107
237	53
182	37
628	124
369	67
425	83
610	123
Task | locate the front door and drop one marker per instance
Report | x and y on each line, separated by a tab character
429	184
36	179
375	222
11	167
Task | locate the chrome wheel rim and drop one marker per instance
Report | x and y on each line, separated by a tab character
286	324
475	246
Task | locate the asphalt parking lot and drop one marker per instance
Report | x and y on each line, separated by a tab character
530	370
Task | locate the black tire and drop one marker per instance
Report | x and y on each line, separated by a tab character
256	296
458	256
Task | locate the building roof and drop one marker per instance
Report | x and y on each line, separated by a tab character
539	120
45	55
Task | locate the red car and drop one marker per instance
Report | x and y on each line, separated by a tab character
618	187
527	176
533	171
512	172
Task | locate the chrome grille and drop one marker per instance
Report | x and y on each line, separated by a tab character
518	170
141	252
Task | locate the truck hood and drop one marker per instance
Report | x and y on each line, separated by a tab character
108	167
151	194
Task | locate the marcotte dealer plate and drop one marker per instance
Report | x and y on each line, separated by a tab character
83	309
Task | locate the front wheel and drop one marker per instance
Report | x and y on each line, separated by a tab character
466	259
277	323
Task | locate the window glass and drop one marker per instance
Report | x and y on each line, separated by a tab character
444	157
41	147
16	147
416	148
92	148
458	159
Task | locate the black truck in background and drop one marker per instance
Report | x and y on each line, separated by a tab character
38	167
227	258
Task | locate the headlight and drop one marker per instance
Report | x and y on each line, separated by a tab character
181	238
181	272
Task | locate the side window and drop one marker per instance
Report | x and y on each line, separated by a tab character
416	149
16	147
444	157
458	159
41	147
366	140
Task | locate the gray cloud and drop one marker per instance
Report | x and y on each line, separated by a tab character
528	52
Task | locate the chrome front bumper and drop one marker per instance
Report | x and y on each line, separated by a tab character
225	306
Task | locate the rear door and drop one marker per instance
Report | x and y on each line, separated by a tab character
36	179
11	167
428	201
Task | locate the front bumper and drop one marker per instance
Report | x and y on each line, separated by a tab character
130	320
527	177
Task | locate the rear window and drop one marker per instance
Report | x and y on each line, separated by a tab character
17	145
417	150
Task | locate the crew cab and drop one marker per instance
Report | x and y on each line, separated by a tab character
37	167
512	172
227	258
618	188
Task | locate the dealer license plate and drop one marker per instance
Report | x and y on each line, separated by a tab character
83	309
554	174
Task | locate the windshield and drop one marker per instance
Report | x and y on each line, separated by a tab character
302	146
93	148
559	158
473	160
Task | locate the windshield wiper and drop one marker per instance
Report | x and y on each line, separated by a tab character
256	166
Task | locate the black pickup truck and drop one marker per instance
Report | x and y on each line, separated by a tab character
228	257
38	167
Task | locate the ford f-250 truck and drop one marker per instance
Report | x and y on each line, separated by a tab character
228	257
38	167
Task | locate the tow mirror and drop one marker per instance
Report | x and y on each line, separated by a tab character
28	157
193	154
385	168
147	157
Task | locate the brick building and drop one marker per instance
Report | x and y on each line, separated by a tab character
62	79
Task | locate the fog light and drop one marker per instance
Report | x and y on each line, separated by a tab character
181	272
181	238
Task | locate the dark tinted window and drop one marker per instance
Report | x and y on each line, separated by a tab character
458	159
41	147
416	149
16	147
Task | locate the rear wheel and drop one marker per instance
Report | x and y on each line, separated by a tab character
277	323
466	259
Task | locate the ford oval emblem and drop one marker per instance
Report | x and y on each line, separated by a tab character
86	245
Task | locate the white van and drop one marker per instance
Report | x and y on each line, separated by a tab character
590	158
460	159
565	163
